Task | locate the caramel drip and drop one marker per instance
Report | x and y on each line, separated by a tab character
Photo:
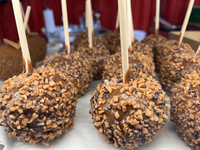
128	76
179	38
110	117
110	114
93	32
30	66
129	49
66	50
24	64
157	32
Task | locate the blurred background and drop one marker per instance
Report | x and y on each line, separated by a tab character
104	13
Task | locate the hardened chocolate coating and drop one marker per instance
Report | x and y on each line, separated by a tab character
96	55
76	67
78	39
153	41
112	41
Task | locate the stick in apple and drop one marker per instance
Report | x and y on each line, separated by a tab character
89	24
22	11
132	26
191	3
17	45
26	18
129	28
91	16
157	17
65	23
11	43
27	65
123	37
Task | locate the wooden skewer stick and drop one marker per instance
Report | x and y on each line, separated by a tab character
86	15
191	3
23	15
157	17
89	24
17	45
198	52
132	26
123	37
129	29
26	18
65	23
91	17
11	43
27	65
117	22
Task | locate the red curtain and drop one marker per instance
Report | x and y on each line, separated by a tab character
143	13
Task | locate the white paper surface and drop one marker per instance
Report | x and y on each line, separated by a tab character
84	136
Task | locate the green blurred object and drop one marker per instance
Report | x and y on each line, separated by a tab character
195	15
